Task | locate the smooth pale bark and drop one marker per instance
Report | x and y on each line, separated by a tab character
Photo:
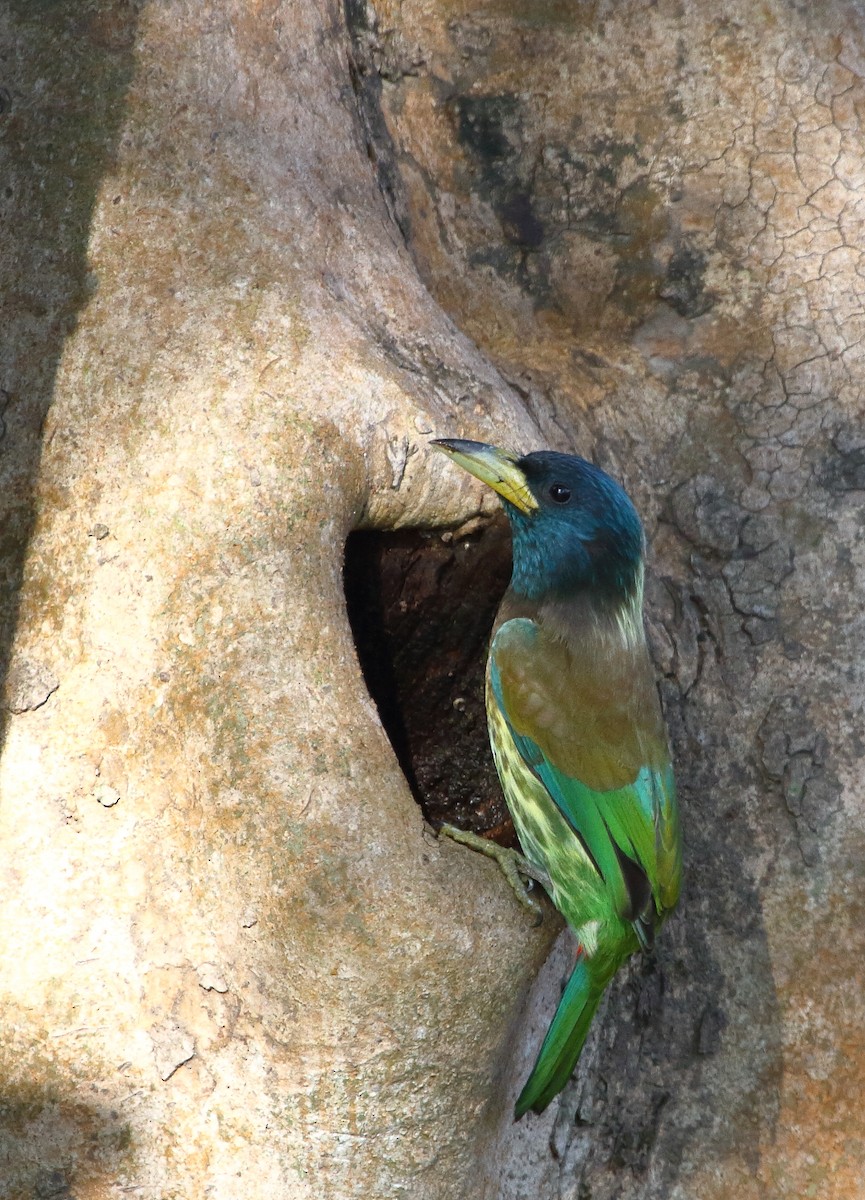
234	962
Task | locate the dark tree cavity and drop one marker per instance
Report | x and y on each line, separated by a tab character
421	606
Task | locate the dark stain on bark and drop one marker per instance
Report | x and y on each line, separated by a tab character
489	127
55	1144
683	287
366	73
843	468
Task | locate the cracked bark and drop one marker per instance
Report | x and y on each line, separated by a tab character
680	300
233	961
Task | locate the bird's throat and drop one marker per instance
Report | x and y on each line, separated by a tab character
583	614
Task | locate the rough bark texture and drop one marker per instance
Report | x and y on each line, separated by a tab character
651	217
234	963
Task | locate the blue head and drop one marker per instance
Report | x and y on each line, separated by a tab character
574	528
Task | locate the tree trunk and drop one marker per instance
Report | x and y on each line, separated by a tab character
651	218
249	247
235	963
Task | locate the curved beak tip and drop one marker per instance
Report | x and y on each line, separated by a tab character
497	468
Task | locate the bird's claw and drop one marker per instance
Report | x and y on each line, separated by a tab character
516	868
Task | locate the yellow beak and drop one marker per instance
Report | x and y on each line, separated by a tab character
492	466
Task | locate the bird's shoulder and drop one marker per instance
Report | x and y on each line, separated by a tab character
583	690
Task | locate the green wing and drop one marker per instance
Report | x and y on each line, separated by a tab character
586	720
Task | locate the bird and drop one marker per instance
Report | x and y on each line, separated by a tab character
576	727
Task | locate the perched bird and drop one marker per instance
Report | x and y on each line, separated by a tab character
576	727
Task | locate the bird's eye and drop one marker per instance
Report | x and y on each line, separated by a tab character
560	493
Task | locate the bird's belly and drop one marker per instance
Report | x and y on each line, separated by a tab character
546	838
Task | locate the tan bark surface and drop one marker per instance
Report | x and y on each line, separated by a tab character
651	217
233	963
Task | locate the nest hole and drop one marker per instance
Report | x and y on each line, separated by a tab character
421	606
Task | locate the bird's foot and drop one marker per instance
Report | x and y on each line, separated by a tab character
516	868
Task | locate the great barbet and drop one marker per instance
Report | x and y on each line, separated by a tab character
576	727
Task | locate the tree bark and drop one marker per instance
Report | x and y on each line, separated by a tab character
256	257
651	218
235	962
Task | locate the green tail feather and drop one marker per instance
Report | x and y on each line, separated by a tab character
564	1040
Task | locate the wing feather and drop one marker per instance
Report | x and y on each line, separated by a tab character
586	719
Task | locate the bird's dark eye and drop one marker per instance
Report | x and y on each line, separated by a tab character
560	493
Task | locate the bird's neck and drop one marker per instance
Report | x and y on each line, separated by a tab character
574	616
